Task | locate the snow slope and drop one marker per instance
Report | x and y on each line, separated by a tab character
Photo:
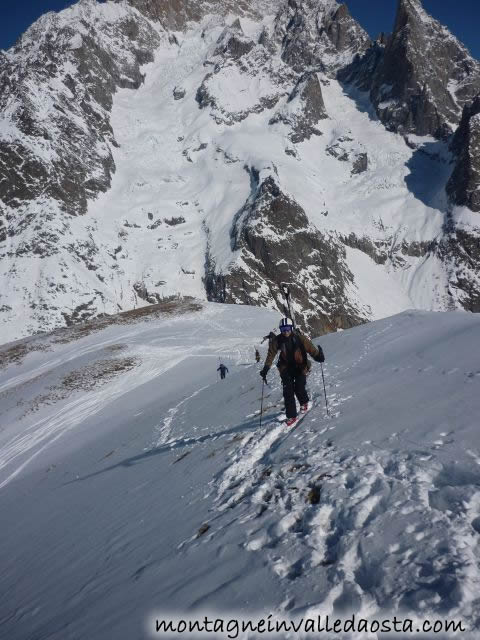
133	481
184	165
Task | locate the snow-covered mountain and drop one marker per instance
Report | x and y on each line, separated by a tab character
151	150
420	77
134	484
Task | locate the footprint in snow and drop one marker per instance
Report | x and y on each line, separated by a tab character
476	524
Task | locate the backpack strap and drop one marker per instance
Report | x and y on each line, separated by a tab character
300	345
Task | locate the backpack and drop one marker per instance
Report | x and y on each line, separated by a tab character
299	352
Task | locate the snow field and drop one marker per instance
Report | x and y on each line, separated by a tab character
166	493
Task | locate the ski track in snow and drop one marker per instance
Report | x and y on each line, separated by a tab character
76	352
17	451
22	449
165	428
312	507
372	527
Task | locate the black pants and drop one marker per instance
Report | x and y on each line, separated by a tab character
222	374
294	382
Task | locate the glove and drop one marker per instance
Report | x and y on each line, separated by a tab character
319	357
264	371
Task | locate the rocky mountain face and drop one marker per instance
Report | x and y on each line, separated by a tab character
423	81
420	77
153	149
275	240
464	184
57	86
320	35
175	14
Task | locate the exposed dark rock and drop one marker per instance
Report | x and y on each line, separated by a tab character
140	290
362	69
382	38
171	13
345	149
304	109
360	164
377	252
314	35
461	249
178	94
266	40
203	530
278	245
82	164
203	96
82	312
464	184
87	252
174	14
78	130
22	175
417	249
44	244
156	224
143	293
313	495
233	43
174	221
336	151
381	251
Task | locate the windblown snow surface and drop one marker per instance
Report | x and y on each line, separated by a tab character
134	484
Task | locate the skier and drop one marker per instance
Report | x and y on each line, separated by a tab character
293	366
223	371
257	355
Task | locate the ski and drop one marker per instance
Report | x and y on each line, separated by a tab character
282	418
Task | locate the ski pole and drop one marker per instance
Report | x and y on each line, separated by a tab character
286	294
324	390
261	404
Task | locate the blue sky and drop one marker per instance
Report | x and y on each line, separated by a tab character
462	17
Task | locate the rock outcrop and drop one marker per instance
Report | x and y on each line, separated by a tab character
318	35
274	243
303	110
56	89
420	78
464	184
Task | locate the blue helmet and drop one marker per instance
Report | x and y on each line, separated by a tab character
286	324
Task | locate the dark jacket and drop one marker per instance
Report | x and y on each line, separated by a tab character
293	352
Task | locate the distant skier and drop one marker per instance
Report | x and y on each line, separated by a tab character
223	371
257	355
293	366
